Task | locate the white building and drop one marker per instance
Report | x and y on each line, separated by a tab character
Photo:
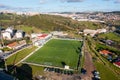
41	39
10	30
6	35
93	32
90	32
19	34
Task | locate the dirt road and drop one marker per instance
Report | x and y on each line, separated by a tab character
88	65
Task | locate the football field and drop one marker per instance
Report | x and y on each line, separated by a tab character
57	53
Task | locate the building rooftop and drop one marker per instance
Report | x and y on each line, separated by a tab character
12	44
42	36
106	52
117	63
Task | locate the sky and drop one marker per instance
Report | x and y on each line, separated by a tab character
60	5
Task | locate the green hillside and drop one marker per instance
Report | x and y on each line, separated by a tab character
46	22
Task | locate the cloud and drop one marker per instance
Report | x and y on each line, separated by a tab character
72	0
42	1
2	6
117	1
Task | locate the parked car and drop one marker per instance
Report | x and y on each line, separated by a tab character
96	75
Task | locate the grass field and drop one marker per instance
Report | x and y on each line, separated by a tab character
19	55
105	72
57	53
111	36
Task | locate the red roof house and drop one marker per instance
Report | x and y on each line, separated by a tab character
105	52
117	64
12	45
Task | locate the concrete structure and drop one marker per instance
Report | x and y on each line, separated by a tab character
67	67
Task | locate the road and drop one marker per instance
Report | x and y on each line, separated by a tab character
88	65
8	54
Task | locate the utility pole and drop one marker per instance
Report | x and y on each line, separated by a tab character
5	65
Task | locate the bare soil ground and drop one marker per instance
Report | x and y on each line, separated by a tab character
88	66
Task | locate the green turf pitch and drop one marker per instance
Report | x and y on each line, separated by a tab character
57	53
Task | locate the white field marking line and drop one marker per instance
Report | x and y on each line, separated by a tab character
32	53
16	52
68	39
45	66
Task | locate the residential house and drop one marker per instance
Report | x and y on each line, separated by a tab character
19	34
13	45
105	52
6	35
10	30
117	64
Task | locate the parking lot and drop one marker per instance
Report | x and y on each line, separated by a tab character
56	70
